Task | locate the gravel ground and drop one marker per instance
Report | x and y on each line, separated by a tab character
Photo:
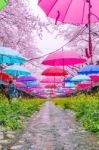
55	129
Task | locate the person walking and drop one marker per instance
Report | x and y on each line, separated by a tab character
11	91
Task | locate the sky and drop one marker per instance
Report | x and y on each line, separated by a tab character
48	43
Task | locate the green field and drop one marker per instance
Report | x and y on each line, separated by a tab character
86	109
11	114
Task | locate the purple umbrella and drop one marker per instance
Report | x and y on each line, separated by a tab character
26	78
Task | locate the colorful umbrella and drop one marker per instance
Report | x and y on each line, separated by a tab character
54	71
50	86
94	77
51	80
26	78
70	85
5	76
80	78
3	3
84	84
61	58
19	84
71	11
29	89
10	56
69	90
32	84
68	79
16	70
89	69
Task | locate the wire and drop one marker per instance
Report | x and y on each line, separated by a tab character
81	30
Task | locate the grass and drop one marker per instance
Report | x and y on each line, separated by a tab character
11	114
86	109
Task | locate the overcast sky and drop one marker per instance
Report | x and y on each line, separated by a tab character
48	42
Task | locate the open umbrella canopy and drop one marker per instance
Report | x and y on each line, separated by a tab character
51	80
8	51
61	58
70	85
89	69
68	79
19	84
54	71
29	89
3	3
71	11
10	56
5	76
94	77
50	86
32	84
84	84
16	70
26	78
80	78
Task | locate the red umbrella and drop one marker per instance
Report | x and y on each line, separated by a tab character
54	71
5	76
50	86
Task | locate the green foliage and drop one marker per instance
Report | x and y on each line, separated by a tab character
86	109
11	114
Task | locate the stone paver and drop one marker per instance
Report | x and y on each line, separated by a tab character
55	129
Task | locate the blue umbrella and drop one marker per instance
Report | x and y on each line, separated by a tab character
16	70
60	90
68	79
89	69
32	84
1	82
70	85
80	78
10	56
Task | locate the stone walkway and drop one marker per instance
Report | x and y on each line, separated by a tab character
54	129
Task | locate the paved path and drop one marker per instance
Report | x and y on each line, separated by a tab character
55	129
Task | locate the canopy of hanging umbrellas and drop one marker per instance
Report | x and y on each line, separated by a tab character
73	67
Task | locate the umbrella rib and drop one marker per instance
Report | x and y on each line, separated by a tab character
52	7
67	10
83	12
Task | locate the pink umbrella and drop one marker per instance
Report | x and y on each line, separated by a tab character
19	84
85	84
68	91
71	11
94	77
74	12
51	80
29	89
61	58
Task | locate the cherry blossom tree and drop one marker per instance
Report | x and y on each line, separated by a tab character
77	37
18	28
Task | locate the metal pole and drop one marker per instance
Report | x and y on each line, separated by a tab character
89	28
